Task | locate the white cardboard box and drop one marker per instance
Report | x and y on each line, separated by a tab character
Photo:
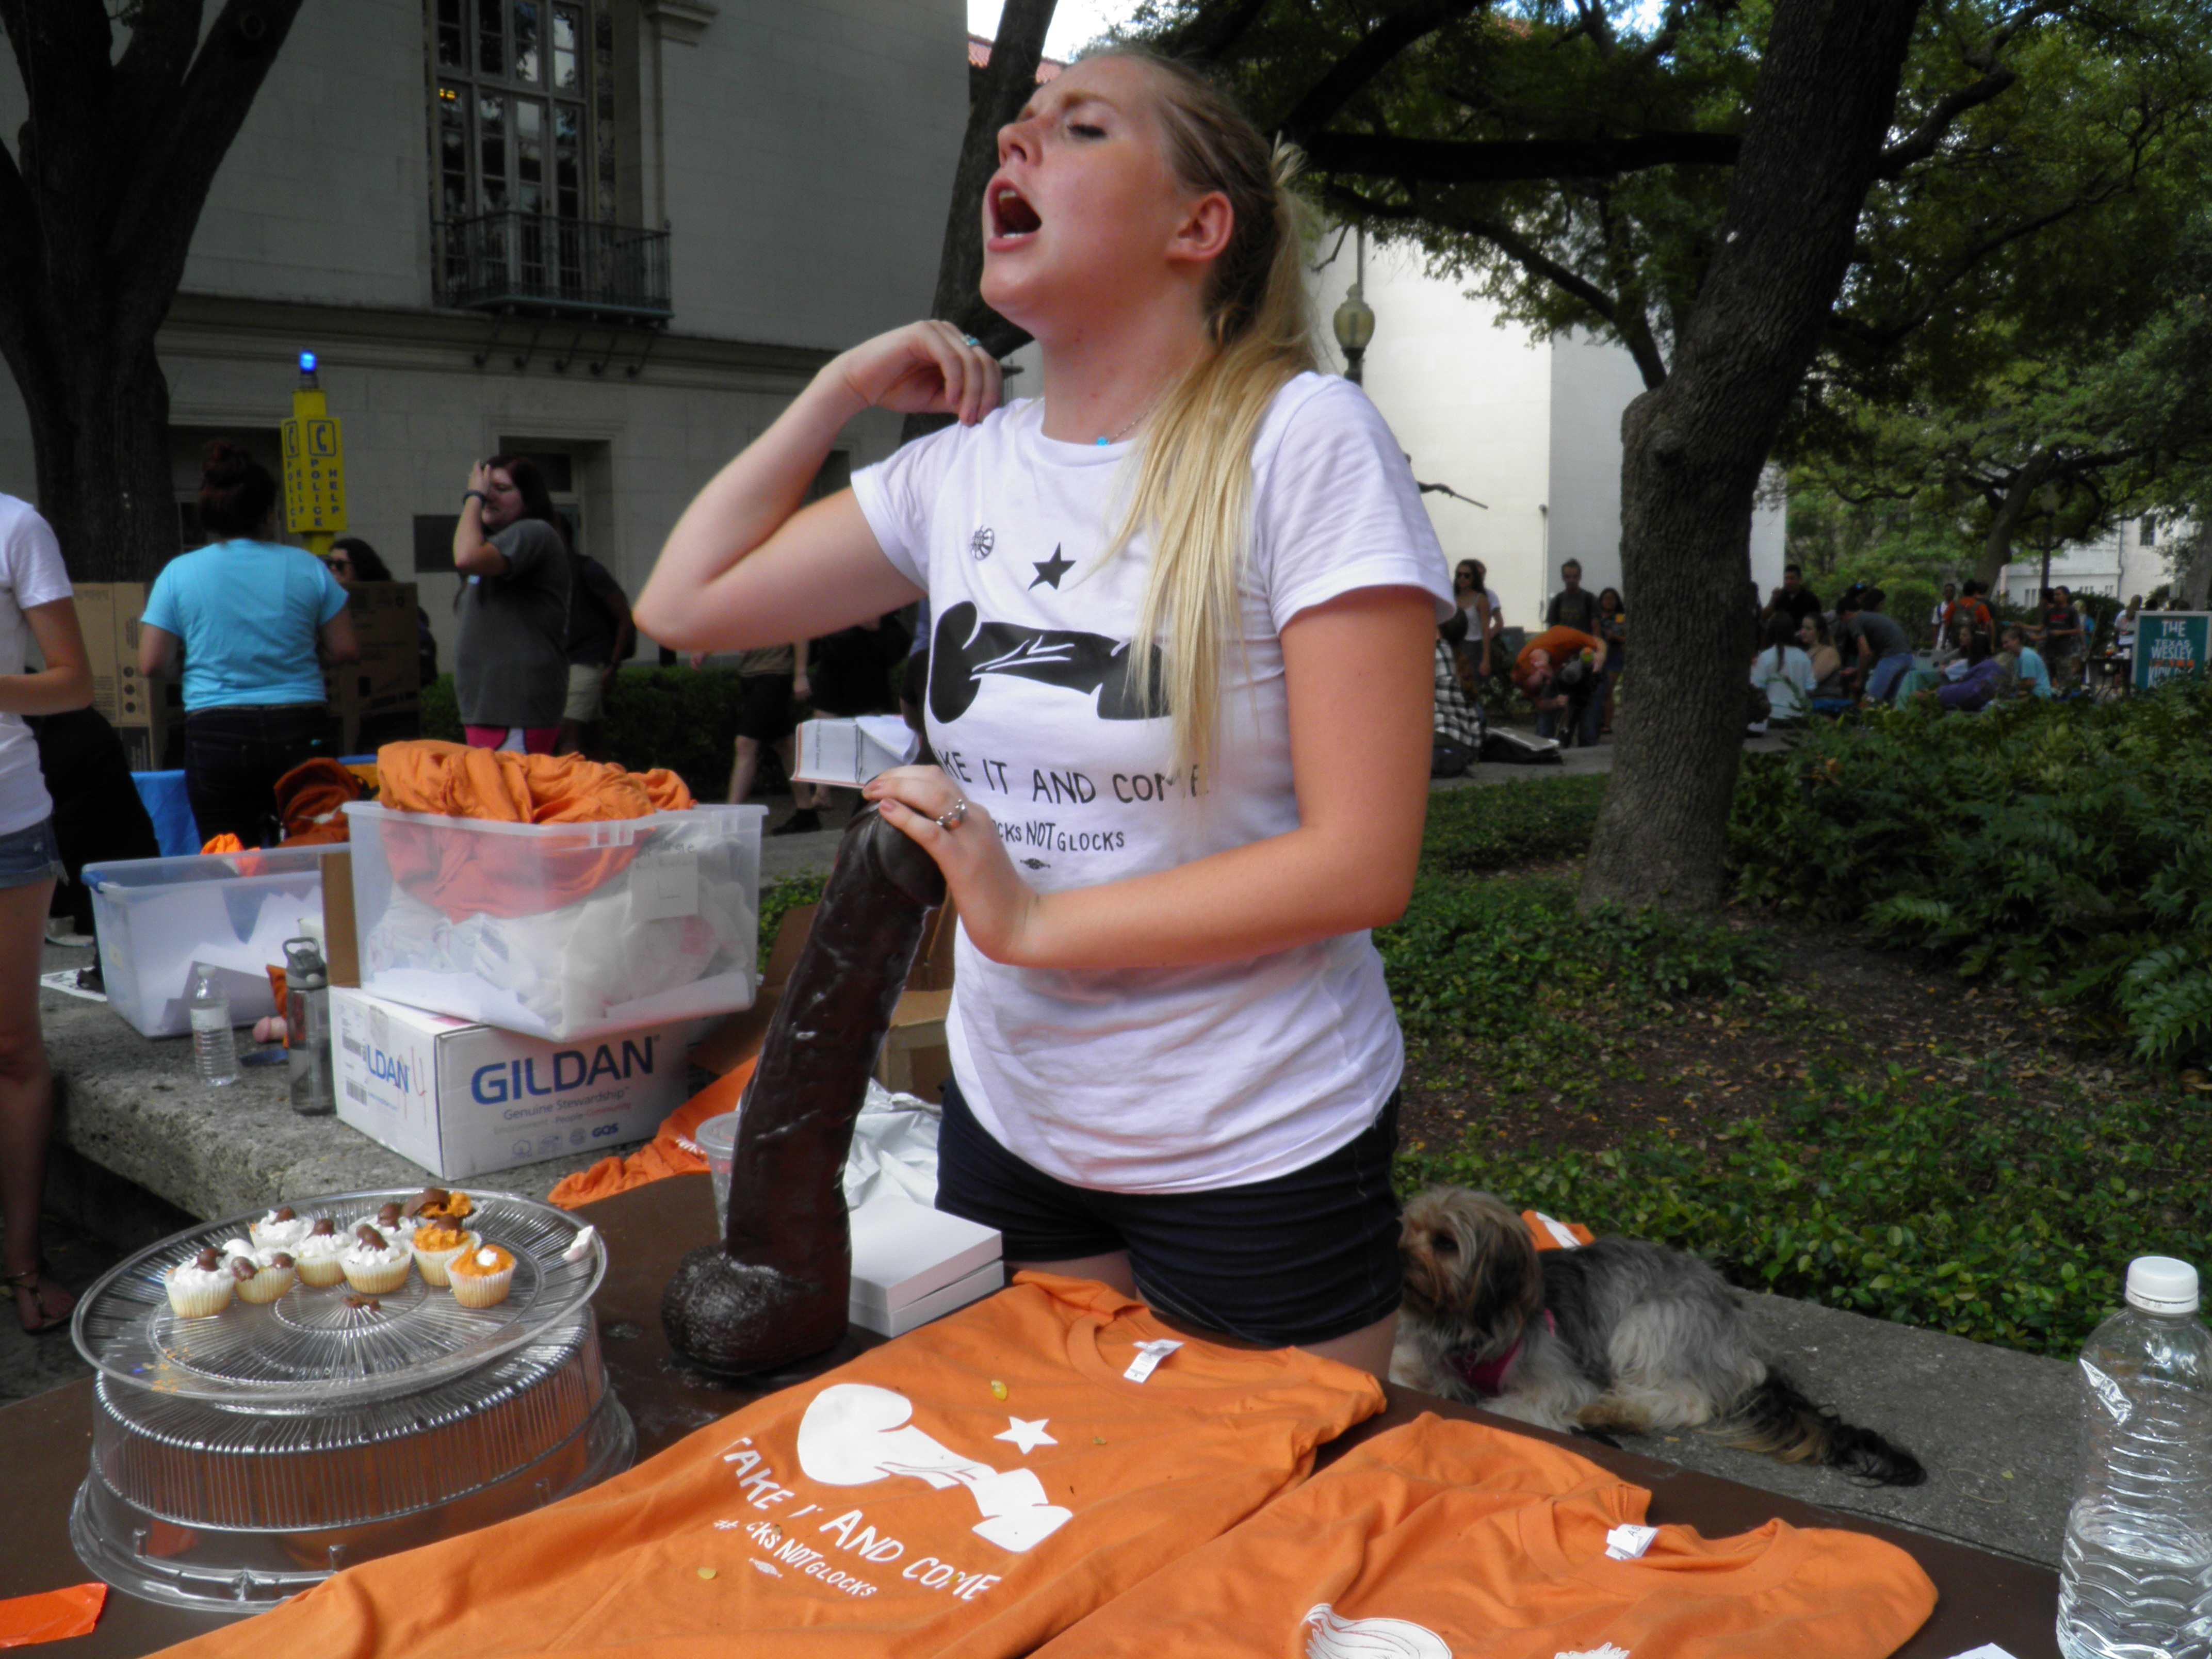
897	1322
465	1100
851	751
903	1251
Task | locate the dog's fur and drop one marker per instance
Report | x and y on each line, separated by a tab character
1642	1338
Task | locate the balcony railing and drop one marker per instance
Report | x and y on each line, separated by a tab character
534	264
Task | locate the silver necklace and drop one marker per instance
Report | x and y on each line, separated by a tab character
1142	415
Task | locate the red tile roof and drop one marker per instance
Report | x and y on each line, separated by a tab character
979	57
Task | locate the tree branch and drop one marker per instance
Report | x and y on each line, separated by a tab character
1368	59
1511	160
1921	142
152	230
1523	252
1208	36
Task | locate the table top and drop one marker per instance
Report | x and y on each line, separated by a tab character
45	1444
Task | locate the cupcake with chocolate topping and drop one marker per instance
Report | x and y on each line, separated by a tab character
375	1265
481	1278
436	1244
392	1221
200	1288
319	1255
262	1275
282	1229
437	1204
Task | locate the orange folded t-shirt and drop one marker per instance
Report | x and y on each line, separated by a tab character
670	1153
453	780
973	1488
1440	1538
51	1615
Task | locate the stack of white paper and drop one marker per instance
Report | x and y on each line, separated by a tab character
850	753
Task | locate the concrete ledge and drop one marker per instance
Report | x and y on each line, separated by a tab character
133	1107
1998	1430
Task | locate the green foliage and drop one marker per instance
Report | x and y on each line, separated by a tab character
1514	962
1924	1206
2060	847
1496	827
441	711
785	895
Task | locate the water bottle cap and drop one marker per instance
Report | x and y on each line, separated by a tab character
2160	1285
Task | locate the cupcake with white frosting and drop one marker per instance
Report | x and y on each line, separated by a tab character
262	1275
200	1288
392	1222
373	1264
282	1229
320	1254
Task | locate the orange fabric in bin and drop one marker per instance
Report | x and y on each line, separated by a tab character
311	801
453	779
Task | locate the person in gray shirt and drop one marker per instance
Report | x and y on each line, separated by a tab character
1875	651
511	670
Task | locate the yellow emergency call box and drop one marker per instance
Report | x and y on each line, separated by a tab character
315	464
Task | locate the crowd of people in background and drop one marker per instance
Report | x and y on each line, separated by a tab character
1812	662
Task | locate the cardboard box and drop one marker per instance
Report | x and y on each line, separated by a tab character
905	1256
147	715
386	680
465	1100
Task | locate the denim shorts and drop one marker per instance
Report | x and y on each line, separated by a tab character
31	855
1302	1258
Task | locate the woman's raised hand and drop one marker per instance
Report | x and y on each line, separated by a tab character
924	369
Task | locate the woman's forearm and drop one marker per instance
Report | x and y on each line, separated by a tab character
50	691
1229	906
746	502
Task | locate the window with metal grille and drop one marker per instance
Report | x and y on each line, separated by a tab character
525	146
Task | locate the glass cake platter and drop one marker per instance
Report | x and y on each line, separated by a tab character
315	1349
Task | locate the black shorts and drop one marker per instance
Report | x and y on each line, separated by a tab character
1300	1259
765	708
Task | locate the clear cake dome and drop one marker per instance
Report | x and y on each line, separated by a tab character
242	1457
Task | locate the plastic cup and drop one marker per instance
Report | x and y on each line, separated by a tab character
718	1140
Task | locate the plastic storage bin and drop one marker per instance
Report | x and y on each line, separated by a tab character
563	931
233	911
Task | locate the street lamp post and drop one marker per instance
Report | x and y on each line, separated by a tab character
1354	321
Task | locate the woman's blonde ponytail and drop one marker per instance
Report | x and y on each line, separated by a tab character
1192	494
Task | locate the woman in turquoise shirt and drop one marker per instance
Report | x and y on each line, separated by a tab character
249	614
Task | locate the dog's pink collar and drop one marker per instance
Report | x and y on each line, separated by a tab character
1488	1377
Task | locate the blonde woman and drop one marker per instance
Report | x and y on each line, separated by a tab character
1183	607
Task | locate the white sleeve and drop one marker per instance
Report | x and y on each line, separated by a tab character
896	496
33	563
1338	509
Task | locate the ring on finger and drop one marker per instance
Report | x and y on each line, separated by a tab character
953	816
970	339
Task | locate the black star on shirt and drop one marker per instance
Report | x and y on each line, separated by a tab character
1052	569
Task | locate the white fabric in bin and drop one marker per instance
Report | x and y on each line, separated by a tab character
561	971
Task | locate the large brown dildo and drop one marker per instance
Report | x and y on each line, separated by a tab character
777	1288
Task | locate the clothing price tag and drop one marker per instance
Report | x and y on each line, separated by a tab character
663	885
1626	1542
1149	1355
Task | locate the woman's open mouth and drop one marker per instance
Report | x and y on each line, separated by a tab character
1013	219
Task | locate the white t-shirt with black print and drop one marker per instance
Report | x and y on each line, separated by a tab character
1172	1079
31	575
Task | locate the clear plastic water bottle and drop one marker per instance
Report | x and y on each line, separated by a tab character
214	1044
2136	1581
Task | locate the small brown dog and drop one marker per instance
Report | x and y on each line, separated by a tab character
1621	1336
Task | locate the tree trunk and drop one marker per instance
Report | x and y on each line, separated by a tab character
1006	85
1693	449
100	436
2004	523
